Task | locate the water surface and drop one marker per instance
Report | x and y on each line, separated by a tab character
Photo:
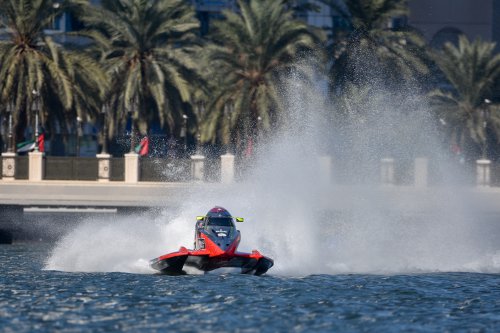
35	299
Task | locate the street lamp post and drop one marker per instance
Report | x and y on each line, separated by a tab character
10	142
228	111
184	132
104	112
258	135
133	102
35	158
56	5
78	134
201	112
132	158
486	115
36	110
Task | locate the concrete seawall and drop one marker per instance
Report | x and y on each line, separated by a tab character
334	197
34	208
93	194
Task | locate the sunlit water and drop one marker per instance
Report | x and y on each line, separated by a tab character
33	299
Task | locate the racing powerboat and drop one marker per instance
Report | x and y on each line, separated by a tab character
215	244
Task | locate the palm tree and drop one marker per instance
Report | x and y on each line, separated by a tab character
147	49
370	48
68	82
252	54
472	70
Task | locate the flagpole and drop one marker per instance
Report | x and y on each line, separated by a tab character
35	105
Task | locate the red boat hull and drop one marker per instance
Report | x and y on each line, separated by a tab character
210	258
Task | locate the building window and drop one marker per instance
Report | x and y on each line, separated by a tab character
397	23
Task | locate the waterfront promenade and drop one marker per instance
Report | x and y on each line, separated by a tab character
94	194
333	197
38	207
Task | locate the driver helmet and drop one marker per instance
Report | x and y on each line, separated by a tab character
218	212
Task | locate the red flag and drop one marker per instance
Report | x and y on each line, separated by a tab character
249	149
144	146
456	149
41	142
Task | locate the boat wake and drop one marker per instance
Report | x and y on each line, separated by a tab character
301	238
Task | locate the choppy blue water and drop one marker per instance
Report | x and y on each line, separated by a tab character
46	301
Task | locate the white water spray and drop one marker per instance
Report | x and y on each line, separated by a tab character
286	206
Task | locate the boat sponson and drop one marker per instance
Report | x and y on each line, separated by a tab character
173	263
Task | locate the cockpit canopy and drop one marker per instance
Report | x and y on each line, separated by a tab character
217	217
220	221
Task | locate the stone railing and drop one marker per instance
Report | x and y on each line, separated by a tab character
133	169
129	169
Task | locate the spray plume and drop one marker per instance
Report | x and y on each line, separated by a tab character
289	209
